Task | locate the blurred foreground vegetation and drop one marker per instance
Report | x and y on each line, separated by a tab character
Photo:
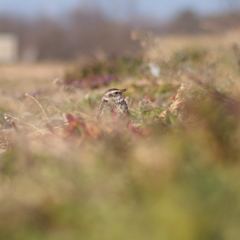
170	172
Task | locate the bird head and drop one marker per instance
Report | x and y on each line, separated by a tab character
113	94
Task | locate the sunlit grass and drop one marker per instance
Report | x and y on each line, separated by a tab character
169	172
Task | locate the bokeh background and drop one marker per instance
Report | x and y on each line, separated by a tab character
72	29
168	172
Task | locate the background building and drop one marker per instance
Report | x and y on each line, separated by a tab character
8	48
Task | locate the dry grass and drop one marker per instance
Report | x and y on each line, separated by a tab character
169	45
170	172
30	76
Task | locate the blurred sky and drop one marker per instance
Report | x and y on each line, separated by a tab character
121	9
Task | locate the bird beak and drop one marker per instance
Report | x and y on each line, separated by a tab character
123	90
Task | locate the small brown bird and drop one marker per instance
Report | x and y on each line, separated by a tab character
113	101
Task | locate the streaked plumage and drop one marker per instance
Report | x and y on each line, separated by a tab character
112	100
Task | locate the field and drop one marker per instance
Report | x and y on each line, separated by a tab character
170	171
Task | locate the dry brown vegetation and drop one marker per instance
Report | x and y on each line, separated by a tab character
169	172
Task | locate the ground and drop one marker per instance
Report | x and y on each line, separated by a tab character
170	171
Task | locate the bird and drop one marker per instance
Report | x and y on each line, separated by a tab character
112	101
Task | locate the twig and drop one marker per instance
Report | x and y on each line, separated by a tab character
31	125
40	106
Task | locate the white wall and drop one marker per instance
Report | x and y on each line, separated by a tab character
8	48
